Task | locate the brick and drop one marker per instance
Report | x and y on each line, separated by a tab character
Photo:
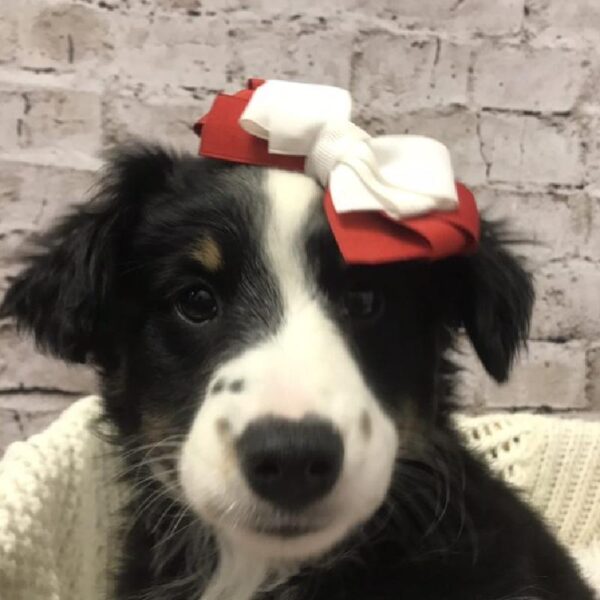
36	422
62	117
553	225
39	116
55	157
34	195
395	74
13	108
31	198
457	129
547	375
194	7
553	82
491	17
8	31
21	78
170	124
593	362
63	35
289	8
21	366
284	10
592	248
568	301
385	83
528	149
21	423
589	101
314	56
556	21
10	429
591	127
170	5
450	74
35	402
173	53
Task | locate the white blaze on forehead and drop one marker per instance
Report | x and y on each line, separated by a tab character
305	331
292	198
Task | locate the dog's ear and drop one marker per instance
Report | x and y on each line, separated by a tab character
63	296
491	295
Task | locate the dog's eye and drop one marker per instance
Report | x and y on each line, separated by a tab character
197	304
359	303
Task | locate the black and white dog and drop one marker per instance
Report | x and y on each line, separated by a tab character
284	418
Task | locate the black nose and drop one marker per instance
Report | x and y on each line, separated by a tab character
291	463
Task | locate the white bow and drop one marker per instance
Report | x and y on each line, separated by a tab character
403	175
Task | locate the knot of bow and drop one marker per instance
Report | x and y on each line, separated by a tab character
388	198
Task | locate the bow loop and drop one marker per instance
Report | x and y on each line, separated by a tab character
402	175
290	115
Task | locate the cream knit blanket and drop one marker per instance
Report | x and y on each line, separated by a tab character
59	498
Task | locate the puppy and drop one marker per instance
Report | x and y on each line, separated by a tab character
284	417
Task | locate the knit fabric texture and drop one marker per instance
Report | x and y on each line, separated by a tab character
60	496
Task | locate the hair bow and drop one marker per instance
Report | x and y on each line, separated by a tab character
388	198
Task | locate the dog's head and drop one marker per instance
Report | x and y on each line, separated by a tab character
275	385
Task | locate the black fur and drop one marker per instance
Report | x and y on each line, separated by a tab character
103	290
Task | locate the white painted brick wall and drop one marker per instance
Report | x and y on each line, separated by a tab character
511	86
519	77
524	149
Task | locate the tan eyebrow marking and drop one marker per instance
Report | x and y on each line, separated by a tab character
207	252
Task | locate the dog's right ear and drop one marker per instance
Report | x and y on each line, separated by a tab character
64	294
491	295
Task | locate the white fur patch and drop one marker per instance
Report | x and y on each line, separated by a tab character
304	367
239	575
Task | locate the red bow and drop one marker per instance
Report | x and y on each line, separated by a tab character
365	237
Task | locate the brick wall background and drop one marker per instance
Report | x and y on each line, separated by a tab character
511	86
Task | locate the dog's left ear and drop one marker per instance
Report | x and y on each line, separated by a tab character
491	295
65	295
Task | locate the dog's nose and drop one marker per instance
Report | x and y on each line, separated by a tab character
291	463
